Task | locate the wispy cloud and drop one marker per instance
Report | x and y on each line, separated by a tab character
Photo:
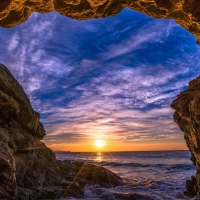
114	77
127	125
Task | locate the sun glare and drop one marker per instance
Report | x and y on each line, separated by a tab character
99	143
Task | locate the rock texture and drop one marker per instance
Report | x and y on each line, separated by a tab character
28	169
187	116
185	12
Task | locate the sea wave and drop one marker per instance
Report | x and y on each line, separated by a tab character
139	165
133	164
146	175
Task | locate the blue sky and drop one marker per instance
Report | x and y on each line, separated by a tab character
110	78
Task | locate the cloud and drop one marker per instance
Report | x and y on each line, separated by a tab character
114	77
126	125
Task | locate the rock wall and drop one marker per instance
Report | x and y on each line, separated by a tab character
187	116
28	169
185	12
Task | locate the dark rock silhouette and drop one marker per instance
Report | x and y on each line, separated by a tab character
28	169
184	12
187	116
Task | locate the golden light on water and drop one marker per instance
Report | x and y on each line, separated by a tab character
99	143
98	157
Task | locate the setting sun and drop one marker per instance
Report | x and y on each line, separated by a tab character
99	143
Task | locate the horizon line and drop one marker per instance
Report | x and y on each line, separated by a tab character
60	151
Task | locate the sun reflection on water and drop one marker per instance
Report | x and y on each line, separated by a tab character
98	157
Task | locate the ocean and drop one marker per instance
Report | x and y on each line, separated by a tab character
156	175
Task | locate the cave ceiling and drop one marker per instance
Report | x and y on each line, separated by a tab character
184	12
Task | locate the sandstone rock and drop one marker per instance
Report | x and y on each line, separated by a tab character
22	111
7	173
187	116
190	187
184	12
28	169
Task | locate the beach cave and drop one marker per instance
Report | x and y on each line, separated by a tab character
14	12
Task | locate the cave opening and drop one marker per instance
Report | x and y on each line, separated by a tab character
112	79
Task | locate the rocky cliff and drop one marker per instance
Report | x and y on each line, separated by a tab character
187	116
28	169
185	12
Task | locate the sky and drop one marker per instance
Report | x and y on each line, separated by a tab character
111	79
